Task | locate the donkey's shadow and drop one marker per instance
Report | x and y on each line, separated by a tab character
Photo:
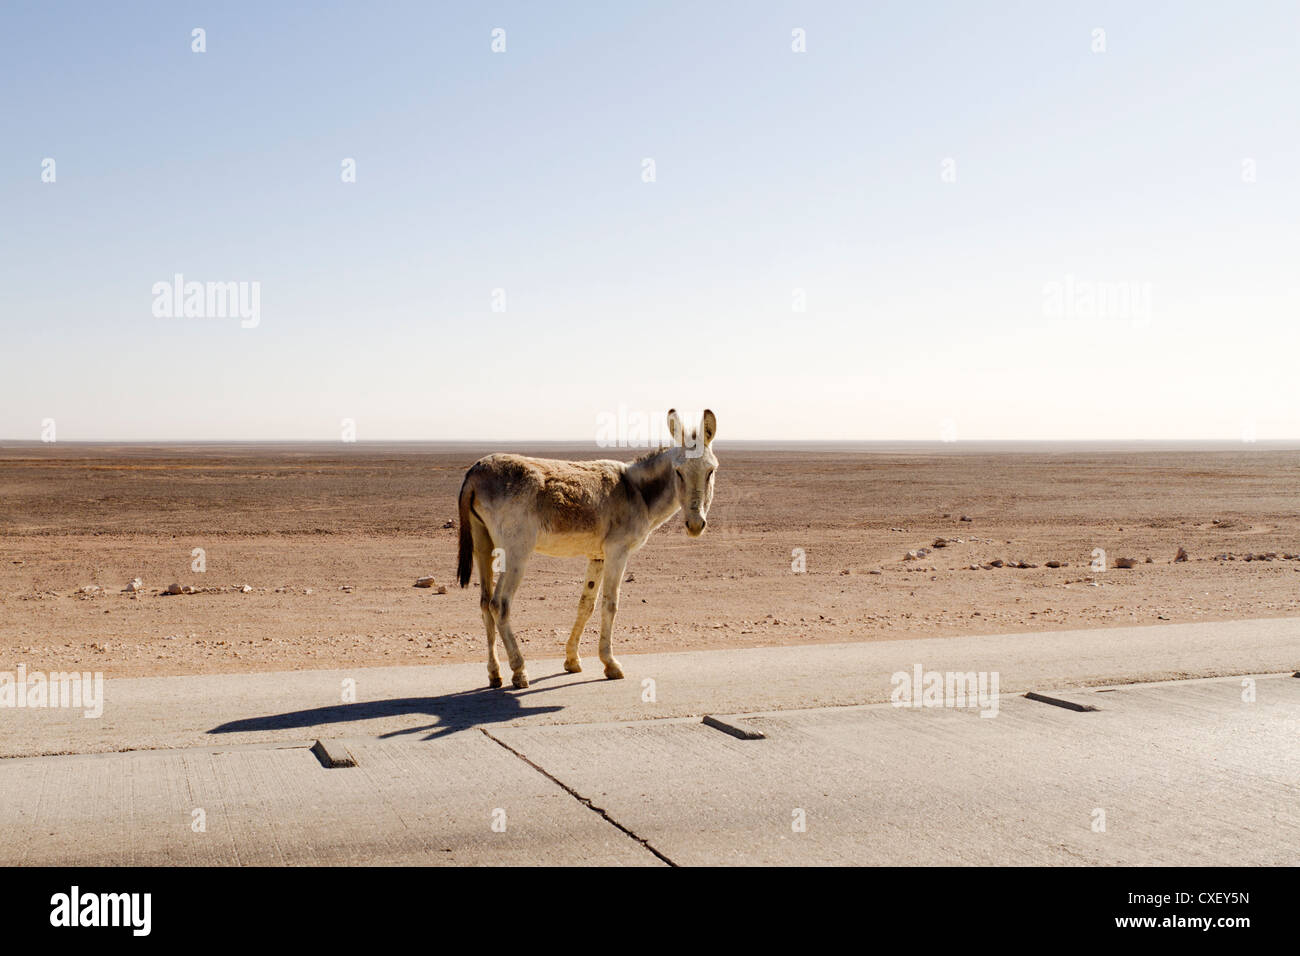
464	710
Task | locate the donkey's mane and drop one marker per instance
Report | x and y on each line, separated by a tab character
648	455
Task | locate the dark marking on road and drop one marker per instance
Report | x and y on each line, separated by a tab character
1059	702
332	754
737	731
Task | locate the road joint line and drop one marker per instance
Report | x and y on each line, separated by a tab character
586	802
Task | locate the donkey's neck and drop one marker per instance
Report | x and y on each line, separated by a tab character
652	479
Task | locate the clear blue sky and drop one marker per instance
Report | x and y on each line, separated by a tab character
926	300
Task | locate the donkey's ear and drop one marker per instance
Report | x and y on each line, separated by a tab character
675	427
708	427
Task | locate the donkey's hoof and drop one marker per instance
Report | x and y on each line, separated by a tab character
613	672
494	680
520	681
573	666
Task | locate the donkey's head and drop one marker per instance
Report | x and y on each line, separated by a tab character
693	466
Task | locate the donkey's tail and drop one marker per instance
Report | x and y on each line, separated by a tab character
466	557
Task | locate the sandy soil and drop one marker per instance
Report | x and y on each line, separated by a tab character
332	538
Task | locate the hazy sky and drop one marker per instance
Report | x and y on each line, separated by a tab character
994	229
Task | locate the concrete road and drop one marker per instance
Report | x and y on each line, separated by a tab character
424	702
580	770
461	801
1184	774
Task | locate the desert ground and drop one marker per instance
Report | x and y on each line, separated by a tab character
331	539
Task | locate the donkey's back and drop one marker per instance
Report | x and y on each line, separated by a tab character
565	508
564	493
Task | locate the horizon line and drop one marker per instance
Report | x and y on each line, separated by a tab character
629	445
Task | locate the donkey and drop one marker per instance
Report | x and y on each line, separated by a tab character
511	506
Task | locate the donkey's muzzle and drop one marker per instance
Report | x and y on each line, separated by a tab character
695	526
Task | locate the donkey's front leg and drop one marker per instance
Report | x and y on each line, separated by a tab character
614	567
572	663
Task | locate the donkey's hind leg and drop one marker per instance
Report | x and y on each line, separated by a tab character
483	557
586	602
502	597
